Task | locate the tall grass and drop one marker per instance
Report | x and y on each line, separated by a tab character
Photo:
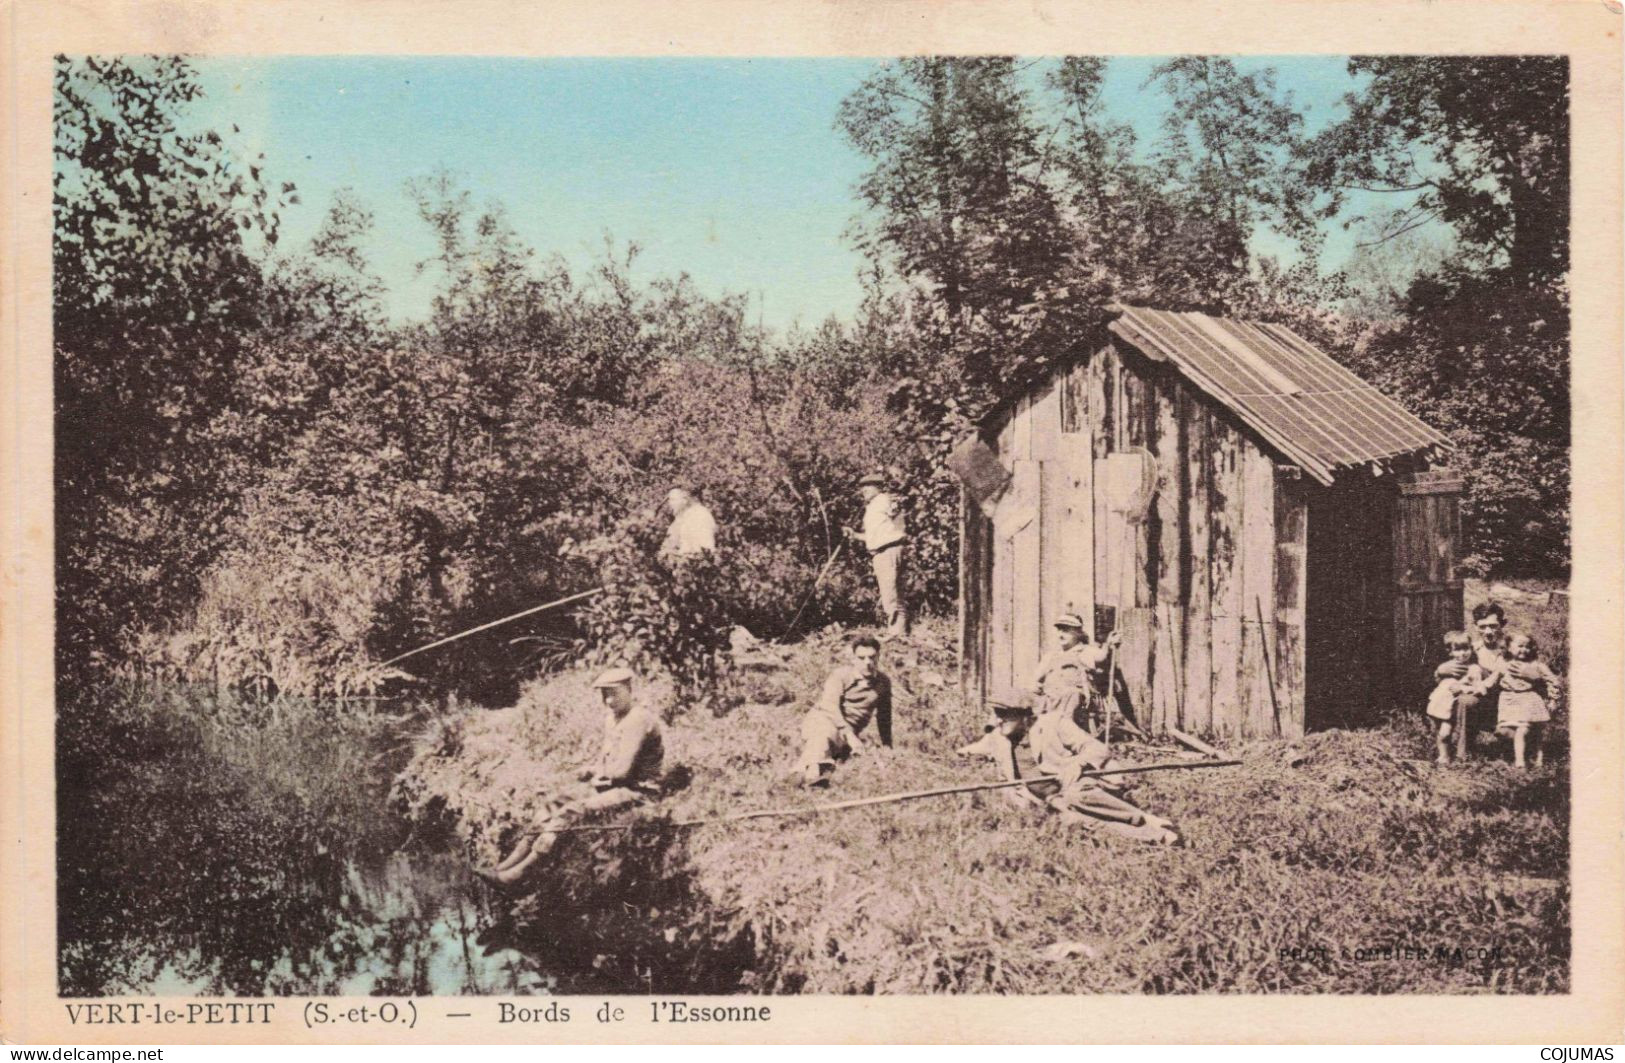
204	841
1301	871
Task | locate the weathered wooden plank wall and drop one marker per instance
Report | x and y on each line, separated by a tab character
1291	556
1046	450
1025	544
975	587
1136	593
1168	618
1102	440
1210	590
1001	596
1072	486
1196	500
1261	713
1225	519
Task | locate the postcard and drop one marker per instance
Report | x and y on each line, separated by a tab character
812	521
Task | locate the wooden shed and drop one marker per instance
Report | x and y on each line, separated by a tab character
1270	533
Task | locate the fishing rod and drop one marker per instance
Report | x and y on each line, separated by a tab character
495	623
807	599
882	799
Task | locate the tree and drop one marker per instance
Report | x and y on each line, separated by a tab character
1385	262
155	295
1480	143
959	206
1133	222
1228	147
1481	344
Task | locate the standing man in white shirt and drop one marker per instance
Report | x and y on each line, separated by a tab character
693	530
885	535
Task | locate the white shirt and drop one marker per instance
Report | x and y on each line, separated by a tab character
883	522
692	531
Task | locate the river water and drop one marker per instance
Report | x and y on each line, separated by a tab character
206	849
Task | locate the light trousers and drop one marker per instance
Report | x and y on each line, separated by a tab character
890	572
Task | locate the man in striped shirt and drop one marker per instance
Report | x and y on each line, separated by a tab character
855	693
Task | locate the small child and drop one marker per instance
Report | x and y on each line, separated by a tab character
1442	702
1527	686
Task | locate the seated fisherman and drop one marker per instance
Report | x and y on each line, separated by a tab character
854	693
1072	679
1062	749
627	774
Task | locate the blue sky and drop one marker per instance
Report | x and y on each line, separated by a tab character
730	170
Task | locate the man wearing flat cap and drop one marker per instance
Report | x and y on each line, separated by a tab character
1072	678
1065	752
885	536
627	774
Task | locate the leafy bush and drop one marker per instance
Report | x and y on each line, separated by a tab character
299	628
773	455
667	611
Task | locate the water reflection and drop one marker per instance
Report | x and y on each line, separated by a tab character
197	861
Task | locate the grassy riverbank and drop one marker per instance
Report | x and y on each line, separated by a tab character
1303	869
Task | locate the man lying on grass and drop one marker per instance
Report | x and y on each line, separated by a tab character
1061	748
854	693
628	774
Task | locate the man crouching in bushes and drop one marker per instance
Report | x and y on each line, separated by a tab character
628	774
854	693
1065	751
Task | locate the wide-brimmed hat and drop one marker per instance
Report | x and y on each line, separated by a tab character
1010	702
613	678
1070	620
872	479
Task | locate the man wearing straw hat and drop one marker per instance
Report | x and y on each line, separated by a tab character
626	774
1072	679
1065	752
885	535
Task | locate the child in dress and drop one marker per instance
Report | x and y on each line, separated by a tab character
1442	702
1527	687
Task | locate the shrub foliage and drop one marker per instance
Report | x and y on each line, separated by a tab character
258	471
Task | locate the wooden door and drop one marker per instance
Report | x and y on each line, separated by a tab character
1428	595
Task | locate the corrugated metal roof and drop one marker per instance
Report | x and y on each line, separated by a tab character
1313	410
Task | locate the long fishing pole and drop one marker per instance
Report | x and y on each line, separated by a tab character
495	623
807	599
907	795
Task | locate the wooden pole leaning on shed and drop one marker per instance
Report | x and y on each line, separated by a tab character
1269	671
495	623
884	799
1111	695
